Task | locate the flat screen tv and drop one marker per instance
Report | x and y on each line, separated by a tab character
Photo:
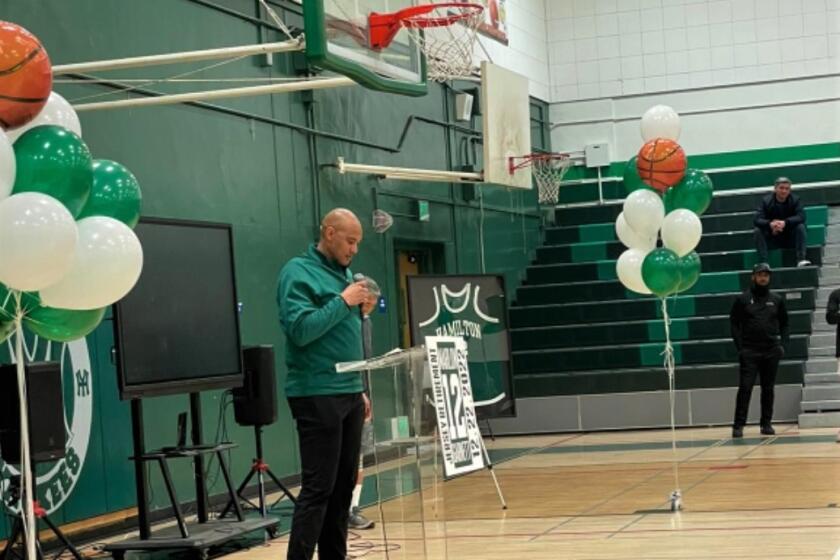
177	331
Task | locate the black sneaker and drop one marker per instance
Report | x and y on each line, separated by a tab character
768	430
359	521
737	432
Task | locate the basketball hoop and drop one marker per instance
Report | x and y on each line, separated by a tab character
448	50
548	170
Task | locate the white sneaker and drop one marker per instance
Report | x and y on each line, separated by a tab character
802	263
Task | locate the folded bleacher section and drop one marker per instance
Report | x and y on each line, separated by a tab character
587	351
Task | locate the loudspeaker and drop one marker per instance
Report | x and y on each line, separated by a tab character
255	403
463	106
47	436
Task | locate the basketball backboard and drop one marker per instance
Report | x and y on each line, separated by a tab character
337	40
506	125
506	118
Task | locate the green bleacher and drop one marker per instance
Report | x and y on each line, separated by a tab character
576	330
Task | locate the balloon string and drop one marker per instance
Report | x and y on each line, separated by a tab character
27	510
670	368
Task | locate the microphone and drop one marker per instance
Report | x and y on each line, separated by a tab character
370	283
367	328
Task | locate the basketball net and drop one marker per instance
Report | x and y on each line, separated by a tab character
548	170
448	47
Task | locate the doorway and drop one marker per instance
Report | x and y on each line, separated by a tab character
414	259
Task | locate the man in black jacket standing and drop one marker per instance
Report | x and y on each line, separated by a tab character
760	332
780	223
832	317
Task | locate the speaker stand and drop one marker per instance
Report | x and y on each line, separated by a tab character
17	533
259	468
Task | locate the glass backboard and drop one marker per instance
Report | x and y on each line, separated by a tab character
337	40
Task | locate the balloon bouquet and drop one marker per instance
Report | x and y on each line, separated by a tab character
67	249
665	200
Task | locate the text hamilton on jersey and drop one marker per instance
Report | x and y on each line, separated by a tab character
460	327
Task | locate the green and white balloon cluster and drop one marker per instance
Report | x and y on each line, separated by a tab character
67	249
673	216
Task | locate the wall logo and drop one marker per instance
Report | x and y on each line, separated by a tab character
56	485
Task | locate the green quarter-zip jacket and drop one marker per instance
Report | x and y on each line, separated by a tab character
321	330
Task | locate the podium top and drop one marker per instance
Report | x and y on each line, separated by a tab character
395	357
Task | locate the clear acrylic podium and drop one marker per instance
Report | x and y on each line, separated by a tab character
408	473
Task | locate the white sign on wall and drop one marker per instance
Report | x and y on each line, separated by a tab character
460	437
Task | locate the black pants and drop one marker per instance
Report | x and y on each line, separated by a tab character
794	238
330	433
757	363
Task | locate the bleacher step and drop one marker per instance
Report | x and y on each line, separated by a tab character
819	420
817	378
830	405
821	392
821	340
830	274
821	365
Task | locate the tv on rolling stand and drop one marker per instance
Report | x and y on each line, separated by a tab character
177	331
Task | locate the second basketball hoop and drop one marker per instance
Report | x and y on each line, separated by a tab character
548	170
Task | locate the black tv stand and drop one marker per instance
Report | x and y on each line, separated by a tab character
203	534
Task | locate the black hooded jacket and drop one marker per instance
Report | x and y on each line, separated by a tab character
759	320
832	316
769	209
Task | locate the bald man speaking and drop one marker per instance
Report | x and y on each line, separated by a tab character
319	305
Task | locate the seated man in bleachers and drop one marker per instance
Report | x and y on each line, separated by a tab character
780	223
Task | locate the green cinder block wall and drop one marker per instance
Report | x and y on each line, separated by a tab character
237	162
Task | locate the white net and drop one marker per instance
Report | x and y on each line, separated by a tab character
448	45
548	171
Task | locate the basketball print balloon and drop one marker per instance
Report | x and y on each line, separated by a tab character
661	163
25	75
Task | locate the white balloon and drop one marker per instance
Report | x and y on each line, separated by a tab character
644	211
8	165
630	238
37	241
107	265
57	111
629	270
661	121
681	231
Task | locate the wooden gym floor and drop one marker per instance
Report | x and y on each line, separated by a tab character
605	496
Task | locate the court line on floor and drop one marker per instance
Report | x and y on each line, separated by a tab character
600	532
752	448
633	486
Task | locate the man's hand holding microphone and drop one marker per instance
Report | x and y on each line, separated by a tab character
363	292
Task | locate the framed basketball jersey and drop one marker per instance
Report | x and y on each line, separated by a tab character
474	308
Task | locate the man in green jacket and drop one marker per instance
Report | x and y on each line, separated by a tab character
320	312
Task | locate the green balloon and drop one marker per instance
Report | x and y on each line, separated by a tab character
693	193
668	199
54	161
661	272
115	193
632	181
689	271
6	329
62	325
7	313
